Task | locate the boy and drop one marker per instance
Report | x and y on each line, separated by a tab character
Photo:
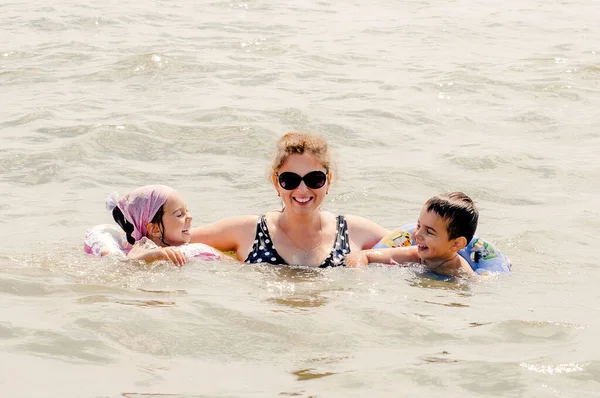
446	224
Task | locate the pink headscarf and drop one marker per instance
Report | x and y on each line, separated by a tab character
140	206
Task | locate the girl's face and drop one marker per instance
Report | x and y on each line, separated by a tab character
310	193
176	221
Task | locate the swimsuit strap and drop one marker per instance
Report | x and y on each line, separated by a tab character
341	245
263	250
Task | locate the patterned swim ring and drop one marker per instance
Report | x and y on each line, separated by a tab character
107	239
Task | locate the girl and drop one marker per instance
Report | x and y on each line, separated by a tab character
156	220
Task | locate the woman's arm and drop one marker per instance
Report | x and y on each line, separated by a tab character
230	234
363	232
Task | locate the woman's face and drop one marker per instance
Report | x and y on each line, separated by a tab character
309	194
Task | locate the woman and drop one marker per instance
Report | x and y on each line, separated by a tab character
300	234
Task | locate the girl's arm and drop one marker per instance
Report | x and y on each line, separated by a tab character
392	256
171	253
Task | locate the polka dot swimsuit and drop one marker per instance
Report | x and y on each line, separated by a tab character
264	252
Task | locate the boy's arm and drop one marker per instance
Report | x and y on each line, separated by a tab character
393	256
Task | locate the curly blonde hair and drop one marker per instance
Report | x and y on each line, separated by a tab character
300	143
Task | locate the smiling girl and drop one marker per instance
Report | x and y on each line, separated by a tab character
156	220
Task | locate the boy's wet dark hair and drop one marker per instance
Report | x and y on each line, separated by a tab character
460	212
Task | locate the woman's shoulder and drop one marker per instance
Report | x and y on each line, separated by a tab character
356	223
359	222
234	222
226	234
229	226
364	232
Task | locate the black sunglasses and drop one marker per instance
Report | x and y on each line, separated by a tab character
313	180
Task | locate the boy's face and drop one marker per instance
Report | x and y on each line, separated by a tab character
431	236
